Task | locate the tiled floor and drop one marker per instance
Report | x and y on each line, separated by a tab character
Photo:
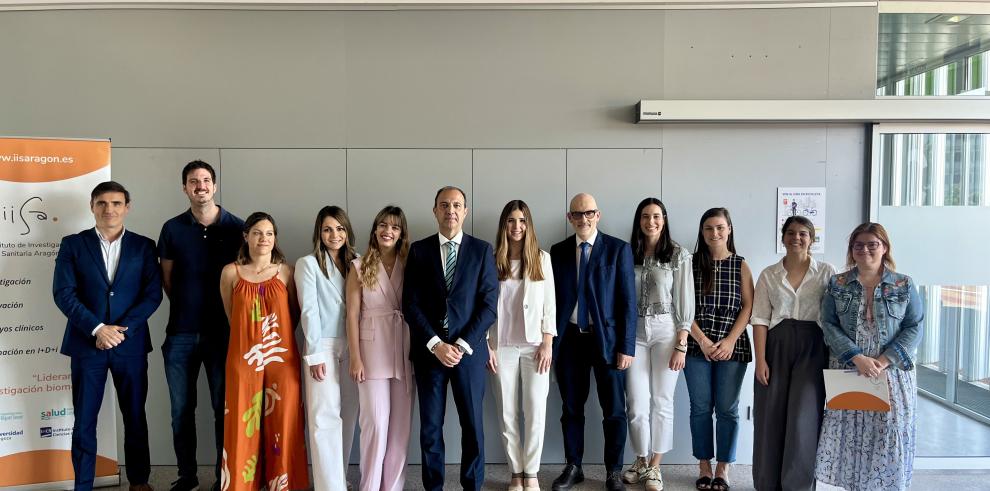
676	478
943	432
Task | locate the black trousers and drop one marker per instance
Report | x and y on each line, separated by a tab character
788	411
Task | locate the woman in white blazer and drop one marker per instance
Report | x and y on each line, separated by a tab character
520	344
331	394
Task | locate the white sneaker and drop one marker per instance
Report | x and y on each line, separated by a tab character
652	480
635	472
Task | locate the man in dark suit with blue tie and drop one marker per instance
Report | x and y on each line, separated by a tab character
449	299
107	283
597	307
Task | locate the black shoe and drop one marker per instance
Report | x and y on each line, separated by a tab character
614	481
571	475
185	484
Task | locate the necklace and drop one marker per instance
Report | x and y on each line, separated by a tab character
262	270
388	267
718	263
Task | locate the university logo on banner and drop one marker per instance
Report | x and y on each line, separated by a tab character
44	195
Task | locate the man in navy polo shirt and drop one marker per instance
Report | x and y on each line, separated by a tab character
194	247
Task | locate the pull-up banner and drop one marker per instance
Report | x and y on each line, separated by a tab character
44	195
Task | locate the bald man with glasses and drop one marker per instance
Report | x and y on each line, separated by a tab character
596	319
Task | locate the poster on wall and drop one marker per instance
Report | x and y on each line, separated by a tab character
44	195
805	202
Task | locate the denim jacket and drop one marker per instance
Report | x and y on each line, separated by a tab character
897	311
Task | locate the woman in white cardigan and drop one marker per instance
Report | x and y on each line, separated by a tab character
521	343
331	394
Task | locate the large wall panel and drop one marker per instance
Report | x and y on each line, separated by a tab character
291	185
175	78
444	79
746	54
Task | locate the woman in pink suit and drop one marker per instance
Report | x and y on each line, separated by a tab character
379	347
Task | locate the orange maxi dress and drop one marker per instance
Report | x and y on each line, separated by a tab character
263	442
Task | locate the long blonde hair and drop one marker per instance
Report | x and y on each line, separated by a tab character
372	259
530	267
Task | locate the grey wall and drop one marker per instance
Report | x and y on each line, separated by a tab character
299	109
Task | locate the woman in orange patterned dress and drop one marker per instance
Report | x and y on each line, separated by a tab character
263	442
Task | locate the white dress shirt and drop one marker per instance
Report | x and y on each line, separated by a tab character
775	299
443	264
111	258
577	254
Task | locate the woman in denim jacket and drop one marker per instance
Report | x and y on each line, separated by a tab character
871	317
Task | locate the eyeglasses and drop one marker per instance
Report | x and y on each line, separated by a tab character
864	246
589	214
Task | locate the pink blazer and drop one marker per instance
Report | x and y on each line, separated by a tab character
384	334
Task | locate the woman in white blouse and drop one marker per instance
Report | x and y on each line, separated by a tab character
331	395
520	346
790	350
665	299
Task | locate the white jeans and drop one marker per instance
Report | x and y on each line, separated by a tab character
650	385
517	367
331	409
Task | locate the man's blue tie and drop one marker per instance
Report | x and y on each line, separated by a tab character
582	291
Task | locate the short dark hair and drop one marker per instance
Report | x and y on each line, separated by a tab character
109	187
198	164
450	188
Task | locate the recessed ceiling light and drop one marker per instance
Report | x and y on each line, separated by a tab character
947	19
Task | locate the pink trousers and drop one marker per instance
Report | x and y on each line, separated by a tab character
385	420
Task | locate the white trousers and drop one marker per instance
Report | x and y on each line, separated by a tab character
650	385
517	374
332	410
386	422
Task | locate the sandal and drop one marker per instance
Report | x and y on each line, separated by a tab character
704	483
516	487
719	484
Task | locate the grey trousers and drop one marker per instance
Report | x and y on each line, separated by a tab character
788	411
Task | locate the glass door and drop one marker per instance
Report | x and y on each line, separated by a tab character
931	190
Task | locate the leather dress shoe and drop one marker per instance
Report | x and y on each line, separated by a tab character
571	475
614	481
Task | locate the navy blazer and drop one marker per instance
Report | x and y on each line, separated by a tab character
86	296
611	285
471	306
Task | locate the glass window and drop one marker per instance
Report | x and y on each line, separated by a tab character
935	169
956	343
933	55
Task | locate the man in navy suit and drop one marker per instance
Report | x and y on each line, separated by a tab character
597	308
449	299
107	283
